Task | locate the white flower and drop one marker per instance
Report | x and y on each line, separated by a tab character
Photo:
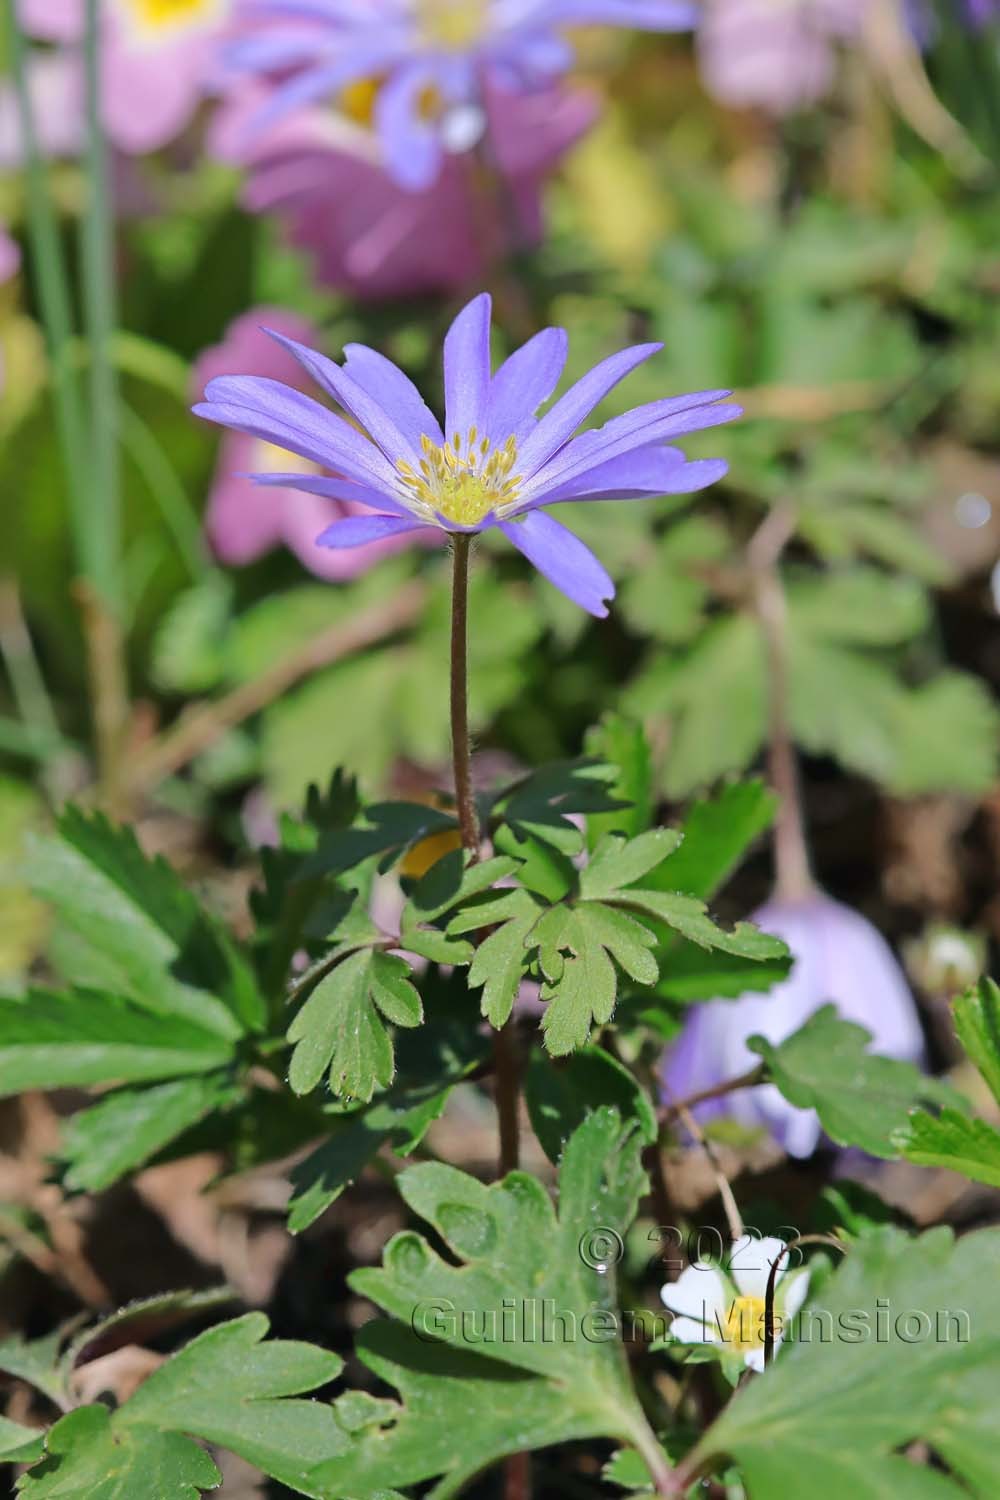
711	1306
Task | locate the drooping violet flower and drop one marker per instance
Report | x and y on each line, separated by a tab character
158	60
493	464
777	55
243	521
839	958
322	177
420	67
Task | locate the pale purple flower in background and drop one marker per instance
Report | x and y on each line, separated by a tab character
321	176
429	61
777	55
244	521
158	61
841	959
495	463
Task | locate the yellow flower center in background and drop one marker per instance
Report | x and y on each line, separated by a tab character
744	1325
153	16
357	100
268	458
453	24
465	479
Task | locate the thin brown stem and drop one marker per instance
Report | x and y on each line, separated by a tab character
734	1219
465	802
747	1080
793	871
506	1090
199	730
517	1468
105	643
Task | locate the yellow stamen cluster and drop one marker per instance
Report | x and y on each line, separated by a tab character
358	99
465	479
163	15
744	1326
453	24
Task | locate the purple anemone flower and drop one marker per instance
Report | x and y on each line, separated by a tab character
323	179
423	63
494	463
839	958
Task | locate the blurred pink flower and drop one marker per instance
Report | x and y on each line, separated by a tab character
323	177
158	60
55	86
841	959
778	55
243	520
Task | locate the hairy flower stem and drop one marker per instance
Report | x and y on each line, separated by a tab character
793	871
465	803
517	1469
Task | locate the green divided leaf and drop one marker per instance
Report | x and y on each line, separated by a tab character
690	973
58	1041
689	917
899	1346
458	1414
718	831
87	1458
543	803
861	1098
578	948
431	1062
126	1128
448	884
501	960
616	865
619	862
977	1024
949	1138
37	1361
135	929
226	1387
391	827
18	1444
341	1027
560	1096
478	1391
319	1180
953	1140
621	743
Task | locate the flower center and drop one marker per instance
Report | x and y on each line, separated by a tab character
466	479
744	1325
152	17
358	99
453	24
